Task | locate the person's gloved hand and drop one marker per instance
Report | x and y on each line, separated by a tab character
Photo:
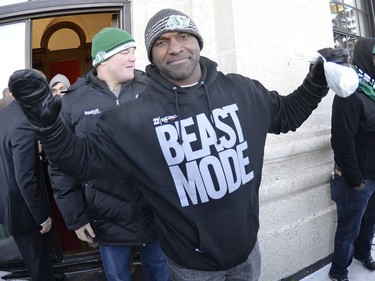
339	56
316	73
32	92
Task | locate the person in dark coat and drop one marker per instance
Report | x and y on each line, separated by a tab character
353	181
23	207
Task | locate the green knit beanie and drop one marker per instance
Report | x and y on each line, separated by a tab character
108	42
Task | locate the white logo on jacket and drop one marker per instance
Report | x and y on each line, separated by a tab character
162	120
210	170
93	111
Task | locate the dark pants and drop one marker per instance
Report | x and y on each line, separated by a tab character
33	248
355	224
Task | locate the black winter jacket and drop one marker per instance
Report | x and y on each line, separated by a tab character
200	174
353	124
23	204
116	209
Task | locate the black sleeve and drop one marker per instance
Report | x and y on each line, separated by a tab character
95	155
292	110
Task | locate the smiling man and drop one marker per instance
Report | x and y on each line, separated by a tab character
193	141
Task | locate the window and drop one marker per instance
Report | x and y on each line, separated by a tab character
15	44
351	20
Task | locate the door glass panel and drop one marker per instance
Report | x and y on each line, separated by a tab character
12	50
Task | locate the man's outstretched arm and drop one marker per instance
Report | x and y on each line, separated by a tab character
82	158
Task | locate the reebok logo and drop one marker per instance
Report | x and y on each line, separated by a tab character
92	112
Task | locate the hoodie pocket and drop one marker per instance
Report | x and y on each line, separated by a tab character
228	236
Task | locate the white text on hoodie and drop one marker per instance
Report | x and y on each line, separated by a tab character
207	176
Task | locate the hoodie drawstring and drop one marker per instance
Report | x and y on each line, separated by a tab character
212	119
179	137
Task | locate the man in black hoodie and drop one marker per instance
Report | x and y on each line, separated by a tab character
353	182
194	141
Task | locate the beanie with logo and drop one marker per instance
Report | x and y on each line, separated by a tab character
108	42
169	20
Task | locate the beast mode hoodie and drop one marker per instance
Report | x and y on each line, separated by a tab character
197	154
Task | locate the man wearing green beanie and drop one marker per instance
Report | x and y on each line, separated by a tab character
111	212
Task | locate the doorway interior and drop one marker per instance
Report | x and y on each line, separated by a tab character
63	45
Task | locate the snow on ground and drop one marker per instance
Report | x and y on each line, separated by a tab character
4	273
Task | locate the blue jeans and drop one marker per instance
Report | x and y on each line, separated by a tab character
116	261
246	271
355	224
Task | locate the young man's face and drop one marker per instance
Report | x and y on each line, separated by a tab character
120	67
59	89
177	55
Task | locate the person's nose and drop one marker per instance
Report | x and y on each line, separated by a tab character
175	46
132	57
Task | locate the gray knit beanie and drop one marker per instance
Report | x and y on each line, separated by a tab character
168	20
59	78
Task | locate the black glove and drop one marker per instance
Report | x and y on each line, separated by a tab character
339	56
316	74
32	92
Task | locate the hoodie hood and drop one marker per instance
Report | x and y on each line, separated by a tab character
362	56
363	64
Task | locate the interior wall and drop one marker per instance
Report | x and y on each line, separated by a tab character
90	23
